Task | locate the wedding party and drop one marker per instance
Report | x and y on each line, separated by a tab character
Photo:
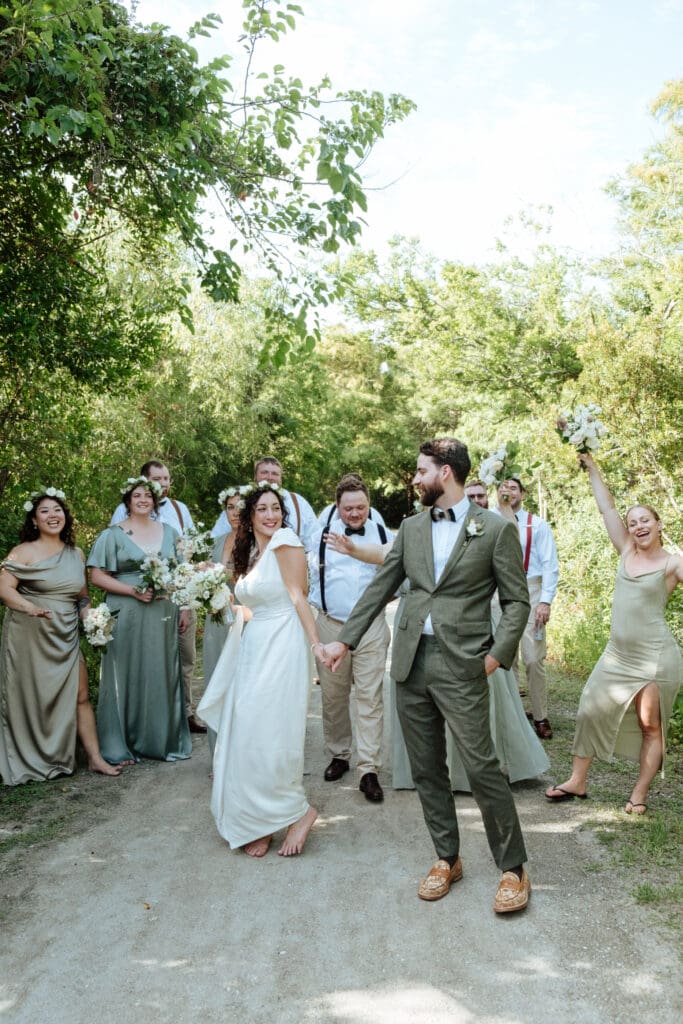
286	598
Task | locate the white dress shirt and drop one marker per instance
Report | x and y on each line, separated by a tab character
543	560
345	578
309	524
166	514
445	533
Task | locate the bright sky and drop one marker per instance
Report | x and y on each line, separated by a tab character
521	103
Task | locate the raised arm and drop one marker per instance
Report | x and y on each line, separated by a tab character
614	524
373	554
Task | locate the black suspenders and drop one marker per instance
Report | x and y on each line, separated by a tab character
321	551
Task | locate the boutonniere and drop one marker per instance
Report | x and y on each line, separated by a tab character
474	528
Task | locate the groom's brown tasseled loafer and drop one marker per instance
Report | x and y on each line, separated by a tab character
440	879
513	893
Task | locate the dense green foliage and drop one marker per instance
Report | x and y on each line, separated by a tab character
489	353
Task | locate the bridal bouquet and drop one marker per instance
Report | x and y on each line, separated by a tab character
500	465
581	428
157	575
195	544
98	625
206	588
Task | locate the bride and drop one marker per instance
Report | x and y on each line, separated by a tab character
257	697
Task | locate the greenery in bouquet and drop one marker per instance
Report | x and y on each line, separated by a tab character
582	428
501	464
202	587
195	544
157	574
98	626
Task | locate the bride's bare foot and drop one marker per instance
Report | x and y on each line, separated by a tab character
259	848
297	834
102	767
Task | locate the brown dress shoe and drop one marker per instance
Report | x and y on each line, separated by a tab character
195	725
335	769
440	879
513	893
543	729
369	785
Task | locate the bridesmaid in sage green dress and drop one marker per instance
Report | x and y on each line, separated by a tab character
140	712
627	701
43	680
216	630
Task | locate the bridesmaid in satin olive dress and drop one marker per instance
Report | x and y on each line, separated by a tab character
43	679
627	701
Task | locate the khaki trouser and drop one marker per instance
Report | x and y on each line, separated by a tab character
188	658
532	653
364	669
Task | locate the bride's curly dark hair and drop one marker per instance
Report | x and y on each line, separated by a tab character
244	536
29	531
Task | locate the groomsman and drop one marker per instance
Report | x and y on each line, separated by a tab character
329	514
477	492
300	514
176	514
542	570
337	585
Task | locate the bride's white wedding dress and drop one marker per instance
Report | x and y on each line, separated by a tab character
256	701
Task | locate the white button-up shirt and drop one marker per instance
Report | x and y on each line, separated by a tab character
345	578
543	560
166	514
445	533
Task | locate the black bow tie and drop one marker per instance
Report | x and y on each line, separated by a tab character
350	529
443	513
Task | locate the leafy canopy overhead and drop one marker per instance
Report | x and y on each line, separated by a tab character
108	126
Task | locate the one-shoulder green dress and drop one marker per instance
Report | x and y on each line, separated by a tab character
141	710
640	650
39	661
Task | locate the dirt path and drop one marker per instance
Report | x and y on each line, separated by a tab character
147	916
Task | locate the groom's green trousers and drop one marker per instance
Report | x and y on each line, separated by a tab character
429	697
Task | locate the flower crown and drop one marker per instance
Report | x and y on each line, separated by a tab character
229	492
142	481
44	492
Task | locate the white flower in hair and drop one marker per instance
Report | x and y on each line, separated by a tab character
28	506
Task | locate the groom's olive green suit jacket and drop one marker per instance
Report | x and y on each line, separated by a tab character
487	556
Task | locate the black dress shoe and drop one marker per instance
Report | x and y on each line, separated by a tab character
195	725
369	785
335	769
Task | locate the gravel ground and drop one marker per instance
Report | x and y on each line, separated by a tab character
146	915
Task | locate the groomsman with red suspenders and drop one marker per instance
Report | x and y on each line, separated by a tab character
542	572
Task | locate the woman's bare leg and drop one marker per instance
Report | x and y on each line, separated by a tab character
87	730
646	703
259	847
577	781
297	834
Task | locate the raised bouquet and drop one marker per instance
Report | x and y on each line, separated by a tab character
500	465
98	625
195	544
581	428
207	588
157	575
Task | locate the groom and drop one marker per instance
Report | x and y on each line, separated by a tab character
455	556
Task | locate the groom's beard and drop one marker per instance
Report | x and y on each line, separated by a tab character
431	495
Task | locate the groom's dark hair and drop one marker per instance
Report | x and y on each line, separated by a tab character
448	451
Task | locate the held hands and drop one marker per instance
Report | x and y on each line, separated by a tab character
334	654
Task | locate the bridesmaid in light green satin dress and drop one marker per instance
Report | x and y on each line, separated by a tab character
140	711
43	680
